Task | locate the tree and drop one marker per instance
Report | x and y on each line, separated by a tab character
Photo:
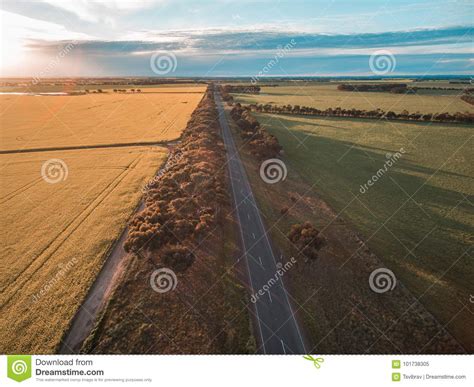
306	239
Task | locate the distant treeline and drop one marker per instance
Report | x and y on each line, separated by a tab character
358	113
182	203
398	88
127	90
467	90
115	91
244	89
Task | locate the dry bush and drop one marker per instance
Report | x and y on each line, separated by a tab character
306	239
177	257
177	203
262	144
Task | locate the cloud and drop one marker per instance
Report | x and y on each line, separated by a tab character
17	30
454	40
243	52
19	27
95	11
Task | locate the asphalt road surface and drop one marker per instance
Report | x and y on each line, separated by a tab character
274	315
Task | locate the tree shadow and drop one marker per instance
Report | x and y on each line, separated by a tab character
412	215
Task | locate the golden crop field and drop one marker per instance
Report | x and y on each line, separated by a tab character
25	86
326	95
56	235
154	115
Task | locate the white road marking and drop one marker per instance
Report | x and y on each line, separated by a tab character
260	259
248	216
270	296
223	123
237	163
253	234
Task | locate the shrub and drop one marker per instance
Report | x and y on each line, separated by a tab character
306	239
177	257
177	202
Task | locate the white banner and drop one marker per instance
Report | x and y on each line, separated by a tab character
235	370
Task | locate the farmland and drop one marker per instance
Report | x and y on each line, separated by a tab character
417	218
60	233
62	210
325	95
154	115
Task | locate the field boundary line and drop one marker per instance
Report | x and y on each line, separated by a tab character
93	146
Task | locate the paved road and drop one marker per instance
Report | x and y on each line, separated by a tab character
278	328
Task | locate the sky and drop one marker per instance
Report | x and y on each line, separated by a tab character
54	38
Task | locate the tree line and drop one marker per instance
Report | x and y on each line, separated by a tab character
305	238
127	90
459	117
262	144
397	88
182	204
241	89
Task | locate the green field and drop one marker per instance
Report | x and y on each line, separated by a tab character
325	95
417	217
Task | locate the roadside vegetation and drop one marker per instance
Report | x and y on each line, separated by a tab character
305	238
263	145
187	226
